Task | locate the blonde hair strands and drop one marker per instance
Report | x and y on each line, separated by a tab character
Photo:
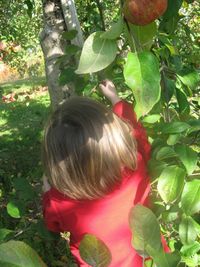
85	146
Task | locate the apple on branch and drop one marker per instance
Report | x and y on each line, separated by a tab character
143	12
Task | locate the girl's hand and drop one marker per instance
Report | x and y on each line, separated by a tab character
46	186
109	91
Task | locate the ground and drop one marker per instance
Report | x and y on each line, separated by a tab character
24	109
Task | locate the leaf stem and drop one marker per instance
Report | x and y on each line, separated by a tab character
129	34
129	38
166	94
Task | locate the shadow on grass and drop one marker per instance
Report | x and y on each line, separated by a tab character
21	126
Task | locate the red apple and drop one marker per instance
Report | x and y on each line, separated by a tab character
143	12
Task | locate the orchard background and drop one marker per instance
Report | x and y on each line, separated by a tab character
155	66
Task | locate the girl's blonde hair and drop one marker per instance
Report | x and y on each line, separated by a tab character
85	147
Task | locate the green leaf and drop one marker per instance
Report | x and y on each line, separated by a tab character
189	1
173	127
170	183
170	88
142	75
24	189
193	261
183	103
187	230
18	254
171	215
67	76
173	139
145	230
172	9
190	250
115	30
144	35
184	88
146	237
42	231
151	118
4	232
30	7
148	263
13	210
173	259
162	52
171	16
190	199
190	78
166	259
70	35
71	49
195	126
94	251
170	25
155	168
187	156
165	152
173	50
97	54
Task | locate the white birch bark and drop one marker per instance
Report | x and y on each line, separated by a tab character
53	45
71	20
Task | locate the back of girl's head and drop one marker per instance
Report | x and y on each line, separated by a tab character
85	146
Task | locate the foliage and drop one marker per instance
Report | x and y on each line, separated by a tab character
170	115
188	33
16	253
21	22
94	251
164	85
97	60
22	121
146	238
141	73
96	15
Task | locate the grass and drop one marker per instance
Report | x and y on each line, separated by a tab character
21	122
22	85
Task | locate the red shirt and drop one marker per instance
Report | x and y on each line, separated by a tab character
106	218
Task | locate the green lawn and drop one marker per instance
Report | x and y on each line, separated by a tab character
21	126
22	85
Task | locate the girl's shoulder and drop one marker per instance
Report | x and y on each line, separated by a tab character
54	194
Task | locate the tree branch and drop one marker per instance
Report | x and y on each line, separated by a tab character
99	5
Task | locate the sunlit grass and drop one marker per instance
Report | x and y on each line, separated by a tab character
22	85
21	123
21	128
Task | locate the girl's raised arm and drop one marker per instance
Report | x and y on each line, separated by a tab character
125	111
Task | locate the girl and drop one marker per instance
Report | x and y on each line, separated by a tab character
95	160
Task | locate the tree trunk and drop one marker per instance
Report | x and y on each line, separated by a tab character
71	20
53	45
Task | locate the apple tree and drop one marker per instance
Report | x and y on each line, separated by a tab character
143	54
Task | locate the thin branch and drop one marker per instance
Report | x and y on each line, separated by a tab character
99	5
166	94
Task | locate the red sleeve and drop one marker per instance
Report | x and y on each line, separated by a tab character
165	246
125	111
50	214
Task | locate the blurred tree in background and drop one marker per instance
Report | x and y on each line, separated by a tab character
21	23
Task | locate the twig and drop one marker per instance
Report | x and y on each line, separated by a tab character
99	5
